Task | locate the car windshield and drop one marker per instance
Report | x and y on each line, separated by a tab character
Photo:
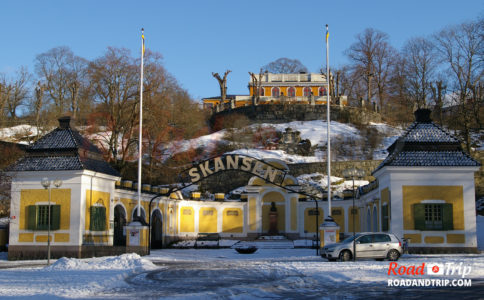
349	239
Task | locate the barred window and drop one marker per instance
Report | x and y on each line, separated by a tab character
208	212
38	217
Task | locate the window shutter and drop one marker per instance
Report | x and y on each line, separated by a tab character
32	217
447	217
384	218
55	218
98	218
102	218
419	216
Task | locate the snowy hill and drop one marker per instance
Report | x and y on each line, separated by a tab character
348	142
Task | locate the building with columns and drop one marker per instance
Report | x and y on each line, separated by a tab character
424	192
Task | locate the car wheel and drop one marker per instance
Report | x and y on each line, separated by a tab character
393	255
345	256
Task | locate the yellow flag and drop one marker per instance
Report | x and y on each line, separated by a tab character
327	36
143	46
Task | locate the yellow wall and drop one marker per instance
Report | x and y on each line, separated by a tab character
309	225
434	239
415	238
273	197
207	217
357	219
187	219
416	194
281	217
26	237
231	222
100	198
339	219
60	197
456	238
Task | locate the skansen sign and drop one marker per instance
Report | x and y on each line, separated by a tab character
242	163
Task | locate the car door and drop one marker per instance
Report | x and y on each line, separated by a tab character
364	246
381	244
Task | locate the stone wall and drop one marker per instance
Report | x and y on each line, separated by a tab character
282	113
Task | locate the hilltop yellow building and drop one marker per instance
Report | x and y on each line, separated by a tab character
303	88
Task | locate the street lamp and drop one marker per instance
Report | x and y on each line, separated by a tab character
353	173
46	184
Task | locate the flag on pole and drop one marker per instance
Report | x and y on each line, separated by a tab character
327	33
140	146
143	46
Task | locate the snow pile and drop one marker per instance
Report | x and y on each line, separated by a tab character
123	262
320	181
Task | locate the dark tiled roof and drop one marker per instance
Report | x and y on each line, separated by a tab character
99	166
428	133
63	139
425	144
63	149
430	159
47	163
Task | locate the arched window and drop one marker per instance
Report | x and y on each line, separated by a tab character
368	220
291	92
275	92
135	213
307	91
322	91
261	91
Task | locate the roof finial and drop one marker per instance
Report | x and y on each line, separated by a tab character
64	122
422	115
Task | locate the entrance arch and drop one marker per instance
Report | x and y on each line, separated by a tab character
119	238
156	230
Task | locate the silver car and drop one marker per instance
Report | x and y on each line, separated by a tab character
376	245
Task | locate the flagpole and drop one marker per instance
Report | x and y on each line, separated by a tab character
140	122
328	120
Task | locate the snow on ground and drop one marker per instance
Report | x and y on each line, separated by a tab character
315	131
18	133
224	273
212	273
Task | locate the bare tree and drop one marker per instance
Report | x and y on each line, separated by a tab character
461	49
420	67
64	75
16	91
438	89
115	79
223	84
371	56
256	86
285	65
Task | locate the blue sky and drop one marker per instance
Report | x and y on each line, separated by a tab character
200	37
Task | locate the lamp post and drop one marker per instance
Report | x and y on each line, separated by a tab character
353	173
46	184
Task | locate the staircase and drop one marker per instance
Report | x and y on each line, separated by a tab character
273	242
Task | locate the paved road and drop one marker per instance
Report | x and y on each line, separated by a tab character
224	279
